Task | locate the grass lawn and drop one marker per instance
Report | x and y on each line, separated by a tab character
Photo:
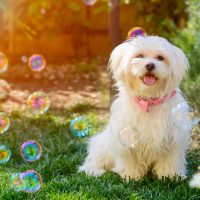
62	154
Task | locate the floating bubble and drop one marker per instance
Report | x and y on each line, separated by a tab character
5	154
32	181
4	123
90	2
136	31
79	127
3	62
38	102
127	137
184	117
31	150
37	62
16	183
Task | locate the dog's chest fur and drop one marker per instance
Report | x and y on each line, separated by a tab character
154	136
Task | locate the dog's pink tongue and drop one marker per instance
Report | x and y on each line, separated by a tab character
149	80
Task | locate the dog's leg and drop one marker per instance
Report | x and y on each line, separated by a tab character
171	164
98	159
128	167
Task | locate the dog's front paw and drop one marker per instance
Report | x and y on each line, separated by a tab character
162	174
169	172
128	174
91	171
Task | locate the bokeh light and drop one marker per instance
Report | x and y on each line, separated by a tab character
16	183
24	59
90	2
79	127
37	62
43	11
5	154
38	102
32	181
3	62
4	123
31	150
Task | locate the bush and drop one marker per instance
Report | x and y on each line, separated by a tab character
189	38
191	90
189	41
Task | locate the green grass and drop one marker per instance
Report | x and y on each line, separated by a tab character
62	154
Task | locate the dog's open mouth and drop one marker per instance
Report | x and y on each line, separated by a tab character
149	79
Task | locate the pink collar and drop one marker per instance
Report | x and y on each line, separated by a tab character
145	103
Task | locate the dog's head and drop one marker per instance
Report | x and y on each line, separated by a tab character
148	66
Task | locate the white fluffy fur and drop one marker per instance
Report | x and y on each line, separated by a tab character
195	181
160	146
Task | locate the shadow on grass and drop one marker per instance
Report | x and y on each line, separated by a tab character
80	108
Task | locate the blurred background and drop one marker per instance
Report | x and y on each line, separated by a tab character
76	38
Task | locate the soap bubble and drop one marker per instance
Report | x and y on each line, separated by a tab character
5	154
4	123
136	31
127	138
37	62
38	102
3	62
184	117
90	2
32	181
31	150
16	183
29	181
79	127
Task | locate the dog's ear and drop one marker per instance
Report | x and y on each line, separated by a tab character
115	65
120	56
179	66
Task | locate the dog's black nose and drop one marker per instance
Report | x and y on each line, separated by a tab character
150	66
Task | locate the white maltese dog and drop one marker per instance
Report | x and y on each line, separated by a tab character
147	71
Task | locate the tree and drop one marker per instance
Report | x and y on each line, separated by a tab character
189	38
114	34
114	23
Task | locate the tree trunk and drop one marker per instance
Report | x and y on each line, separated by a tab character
114	34
11	28
114	23
88	52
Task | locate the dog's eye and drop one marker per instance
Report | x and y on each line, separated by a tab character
160	58
140	56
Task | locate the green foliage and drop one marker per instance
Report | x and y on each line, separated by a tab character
191	89
188	39
58	17
158	16
63	15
